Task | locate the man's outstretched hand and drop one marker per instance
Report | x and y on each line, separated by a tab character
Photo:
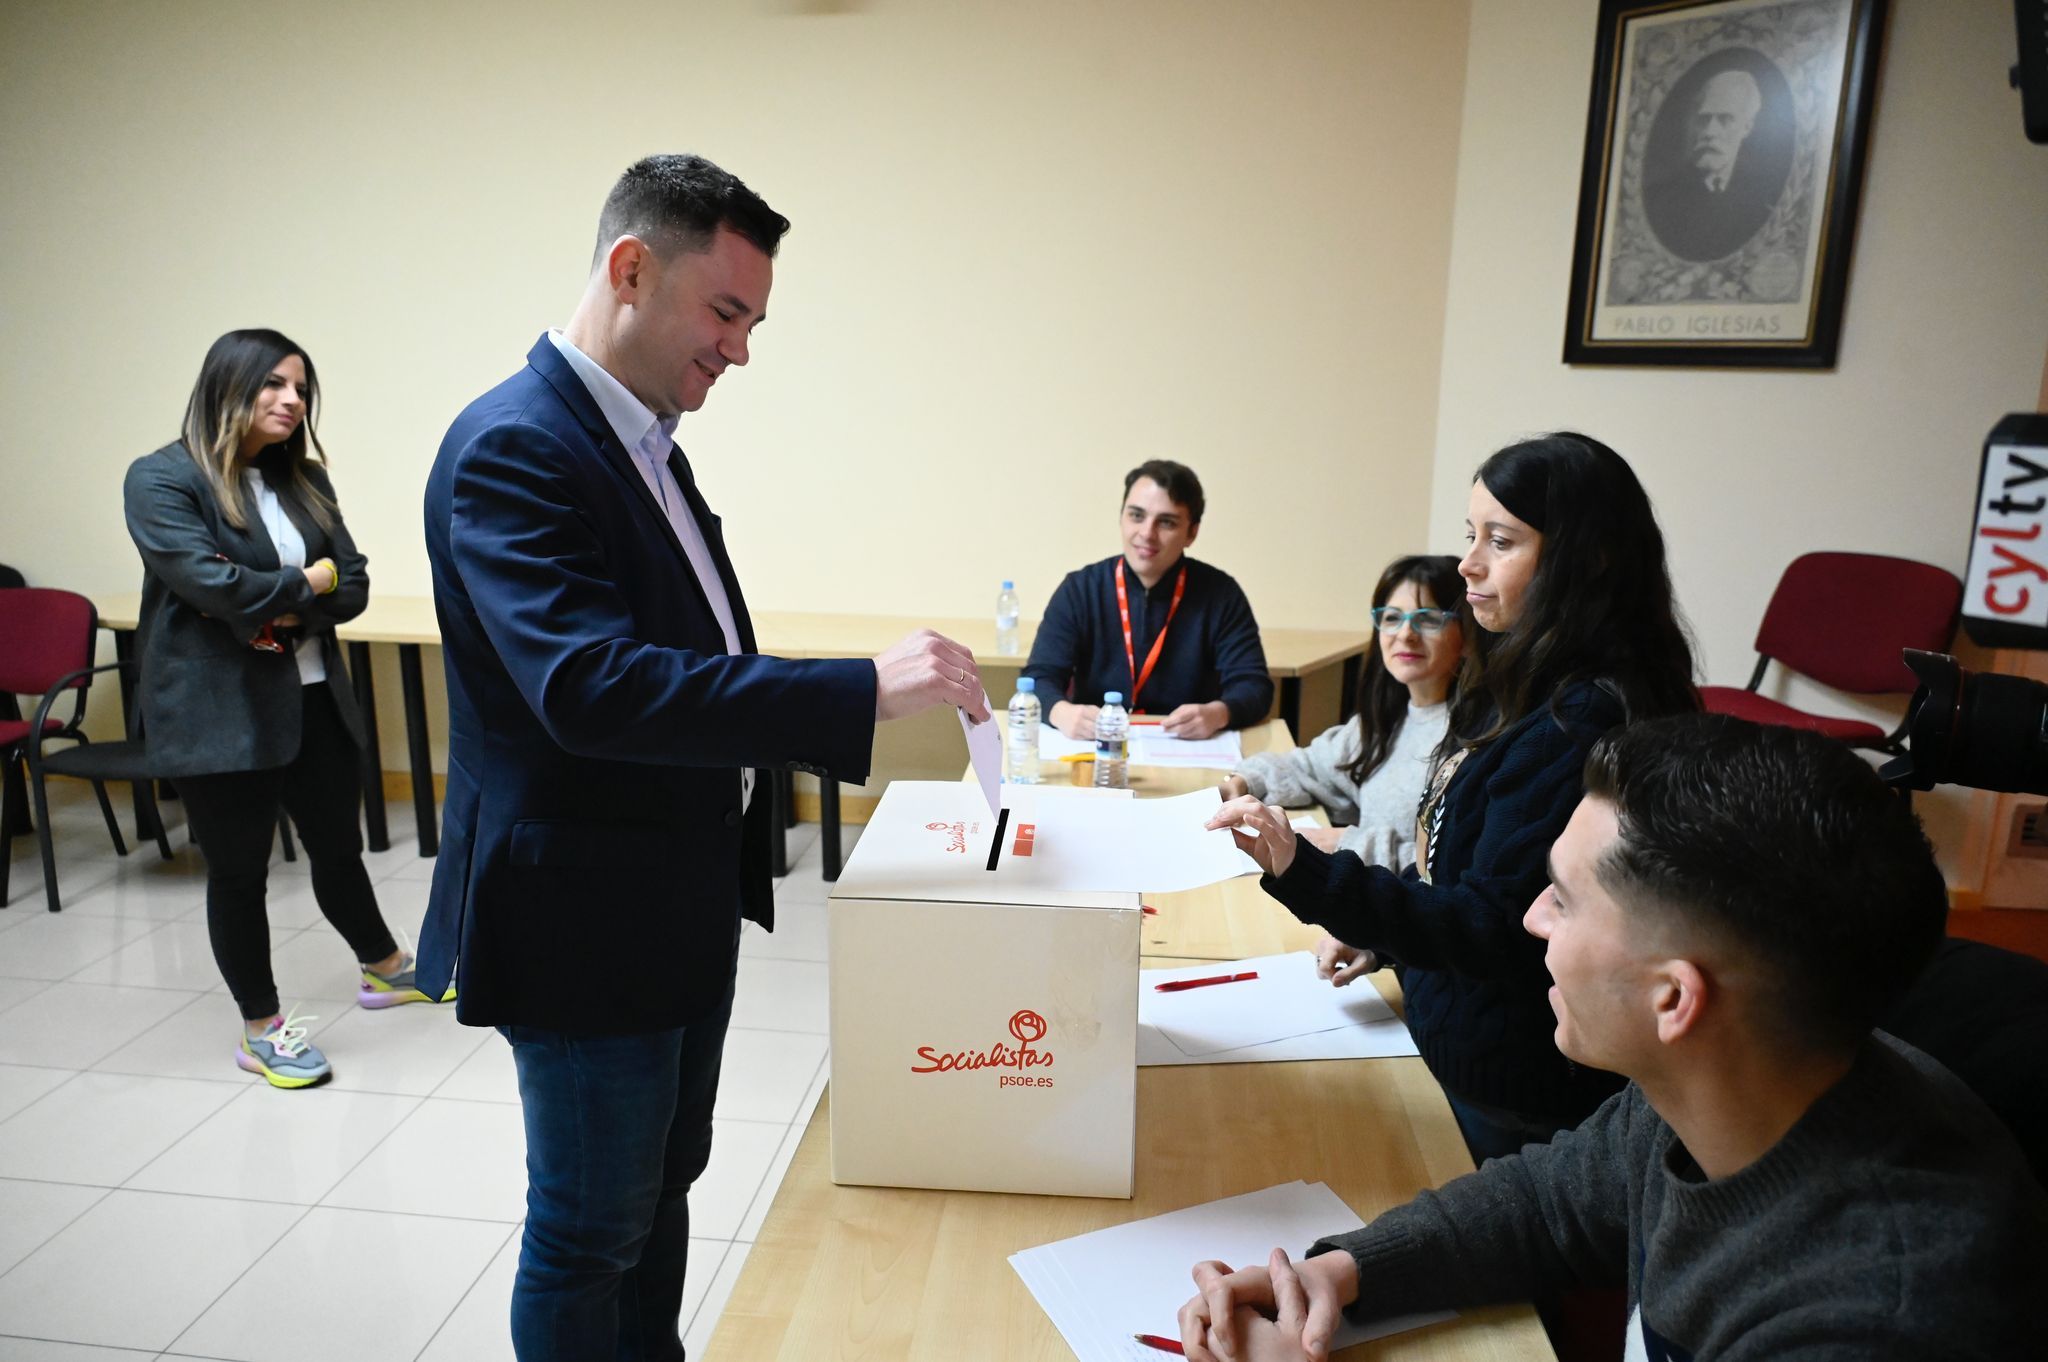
927	669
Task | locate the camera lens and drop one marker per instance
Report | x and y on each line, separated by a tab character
1984	730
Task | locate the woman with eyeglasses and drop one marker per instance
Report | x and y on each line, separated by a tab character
1577	633
1369	771
247	568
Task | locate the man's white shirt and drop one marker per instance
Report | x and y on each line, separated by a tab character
649	439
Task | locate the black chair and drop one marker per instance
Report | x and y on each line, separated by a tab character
46	646
97	763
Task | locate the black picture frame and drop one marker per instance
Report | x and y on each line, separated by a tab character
1717	203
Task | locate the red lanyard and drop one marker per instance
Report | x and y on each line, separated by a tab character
1123	606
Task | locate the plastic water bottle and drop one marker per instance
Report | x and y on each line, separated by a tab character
1006	620
1024	716
1112	742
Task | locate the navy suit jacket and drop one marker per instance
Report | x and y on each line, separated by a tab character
595	863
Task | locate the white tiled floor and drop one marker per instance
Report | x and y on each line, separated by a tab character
156	1202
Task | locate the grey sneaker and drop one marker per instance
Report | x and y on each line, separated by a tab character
389	990
283	1056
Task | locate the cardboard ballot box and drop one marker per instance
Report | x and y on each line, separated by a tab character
984	1026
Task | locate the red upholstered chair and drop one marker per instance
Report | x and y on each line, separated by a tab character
46	647
1843	619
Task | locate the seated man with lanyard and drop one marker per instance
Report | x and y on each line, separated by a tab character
1175	636
1731	909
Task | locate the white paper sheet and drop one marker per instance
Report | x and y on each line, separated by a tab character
1100	1289
1152	846
1151	747
1053	744
1286	1013
985	751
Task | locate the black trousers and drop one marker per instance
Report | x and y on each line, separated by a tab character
234	820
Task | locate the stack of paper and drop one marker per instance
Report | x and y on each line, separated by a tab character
1285	1013
1101	1289
1150	747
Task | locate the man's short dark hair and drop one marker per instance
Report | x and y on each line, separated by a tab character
1177	480
677	202
1784	844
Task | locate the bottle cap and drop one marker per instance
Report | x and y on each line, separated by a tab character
1112	697
1008	584
1025	685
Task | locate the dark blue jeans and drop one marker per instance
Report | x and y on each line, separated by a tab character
617	1128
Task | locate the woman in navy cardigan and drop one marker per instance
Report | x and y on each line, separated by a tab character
1578	633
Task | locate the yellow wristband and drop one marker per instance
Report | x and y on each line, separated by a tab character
333	572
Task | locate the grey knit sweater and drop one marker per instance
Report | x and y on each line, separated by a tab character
1895	1220
1382	809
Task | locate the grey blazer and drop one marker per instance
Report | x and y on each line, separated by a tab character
209	701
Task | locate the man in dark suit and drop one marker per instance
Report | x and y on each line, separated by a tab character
604	833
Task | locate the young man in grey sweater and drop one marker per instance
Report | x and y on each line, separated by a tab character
1731	907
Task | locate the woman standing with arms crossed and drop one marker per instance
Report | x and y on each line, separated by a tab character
1566	579
247	568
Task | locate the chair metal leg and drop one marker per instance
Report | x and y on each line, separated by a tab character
145	800
13	801
99	787
42	798
15	796
284	836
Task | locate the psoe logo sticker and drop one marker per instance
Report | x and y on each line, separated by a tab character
1016	1061
956	834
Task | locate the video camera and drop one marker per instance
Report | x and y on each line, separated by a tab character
1983	729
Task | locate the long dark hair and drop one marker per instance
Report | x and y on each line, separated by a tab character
1382	702
1599	607
218	414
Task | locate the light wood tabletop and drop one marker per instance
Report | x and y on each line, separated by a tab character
924	1276
901	1273
788	633
809	634
386	619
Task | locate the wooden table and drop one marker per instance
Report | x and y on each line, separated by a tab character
904	1273
406	621
409	623
1290	655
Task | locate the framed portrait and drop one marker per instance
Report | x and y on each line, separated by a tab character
1724	156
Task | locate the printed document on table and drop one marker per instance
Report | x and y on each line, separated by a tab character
985	751
1285	1013
1100	1289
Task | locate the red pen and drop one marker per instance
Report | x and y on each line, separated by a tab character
1176	985
1165	1345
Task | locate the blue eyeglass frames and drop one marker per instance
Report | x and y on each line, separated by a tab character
1427	620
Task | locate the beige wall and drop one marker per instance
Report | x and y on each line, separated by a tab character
1034	245
1946	322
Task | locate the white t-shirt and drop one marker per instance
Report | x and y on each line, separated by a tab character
291	552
